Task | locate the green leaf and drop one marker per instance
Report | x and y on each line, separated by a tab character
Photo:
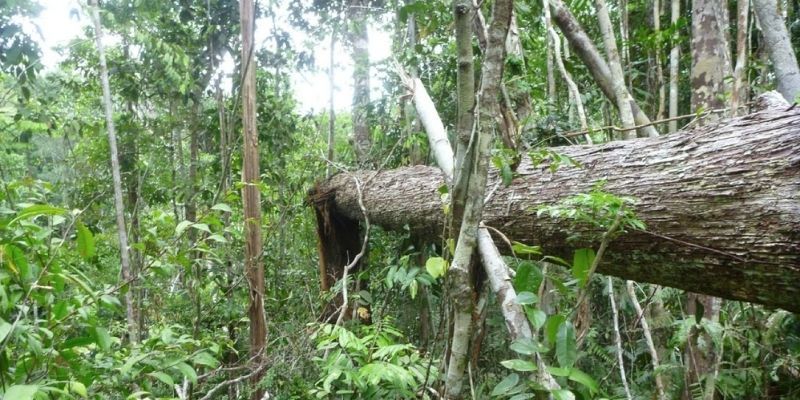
505	385
537	318
584	379
519	365
222	207
85	242
21	392
555	371
15	259
102	338
551	327
436	266
37	210
528	277
77	388
524	249
163	378
527	346
182	227
110	301
563	394
218	238
5	329
201	227
581	262
522	396
566	346
526	298
187	371
205	359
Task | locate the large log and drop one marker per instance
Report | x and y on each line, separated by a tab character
721	205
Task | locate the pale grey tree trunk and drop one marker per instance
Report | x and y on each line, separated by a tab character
119	208
359	40
739	91
711	67
780	48
623	98
674	65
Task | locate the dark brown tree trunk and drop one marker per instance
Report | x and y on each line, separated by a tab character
721	205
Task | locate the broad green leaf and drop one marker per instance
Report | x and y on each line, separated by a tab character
201	227
102	338
527	346
584	379
21	392
222	207
436	266
526	298
77	388
505	385
85	242
205	359
522	396
187	371
15	259
563	394
5	329
218	238
566	346
110	301
551	327
163	378
581	262
182	227
519	365
528	277
537	318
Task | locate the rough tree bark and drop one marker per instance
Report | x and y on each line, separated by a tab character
721	205
780	49
711	66
251	196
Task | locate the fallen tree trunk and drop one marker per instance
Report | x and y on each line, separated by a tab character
721	205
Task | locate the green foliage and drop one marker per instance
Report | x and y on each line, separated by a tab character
368	363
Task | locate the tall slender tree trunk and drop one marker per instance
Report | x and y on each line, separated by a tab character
550	46
119	208
331	111
657	55
674	60
460	273
359	40
623	98
251	196
710	68
780	48
739	91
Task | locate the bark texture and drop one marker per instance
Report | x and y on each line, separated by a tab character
251	196
721	204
